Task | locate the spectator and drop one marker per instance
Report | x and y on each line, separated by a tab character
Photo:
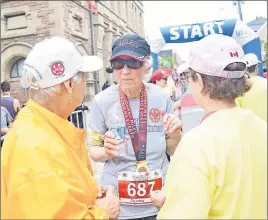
11	104
171	87
45	169
256	98
160	78
265	74
105	85
219	170
6	120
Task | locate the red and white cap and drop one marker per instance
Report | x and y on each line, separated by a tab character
182	67
213	53
159	74
55	60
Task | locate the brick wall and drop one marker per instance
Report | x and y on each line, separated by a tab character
43	25
70	9
48	19
42	29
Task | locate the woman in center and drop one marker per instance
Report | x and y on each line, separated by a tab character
132	128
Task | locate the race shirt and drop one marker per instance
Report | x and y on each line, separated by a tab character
219	170
106	113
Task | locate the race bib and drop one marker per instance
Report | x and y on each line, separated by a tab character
134	188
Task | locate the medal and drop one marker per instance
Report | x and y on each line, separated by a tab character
142	166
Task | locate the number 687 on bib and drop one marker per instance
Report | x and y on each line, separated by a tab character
135	188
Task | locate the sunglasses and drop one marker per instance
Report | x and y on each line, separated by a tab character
119	64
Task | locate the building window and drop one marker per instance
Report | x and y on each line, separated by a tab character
78	24
82	50
15	21
16	70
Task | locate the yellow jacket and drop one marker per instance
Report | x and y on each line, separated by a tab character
170	88
219	170
45	170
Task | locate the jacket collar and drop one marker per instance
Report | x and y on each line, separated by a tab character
75	137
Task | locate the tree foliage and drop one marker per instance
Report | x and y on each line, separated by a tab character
164	60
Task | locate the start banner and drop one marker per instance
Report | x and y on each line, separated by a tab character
186	33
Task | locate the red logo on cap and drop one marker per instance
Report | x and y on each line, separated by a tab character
154	115
234	54
57	68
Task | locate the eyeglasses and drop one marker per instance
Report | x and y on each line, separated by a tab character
119	64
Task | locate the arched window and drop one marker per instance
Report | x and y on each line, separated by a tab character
16	70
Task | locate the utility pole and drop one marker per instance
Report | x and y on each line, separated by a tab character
239	3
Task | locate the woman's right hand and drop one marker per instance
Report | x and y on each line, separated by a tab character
111	145
110	203
4	130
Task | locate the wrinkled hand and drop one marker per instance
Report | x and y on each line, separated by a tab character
4	130
158	198
172	125
111	145
101	191
110	203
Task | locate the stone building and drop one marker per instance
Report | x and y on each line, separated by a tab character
24	23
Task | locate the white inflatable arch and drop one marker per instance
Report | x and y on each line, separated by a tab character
244	35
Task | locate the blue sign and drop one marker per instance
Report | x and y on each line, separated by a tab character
194	32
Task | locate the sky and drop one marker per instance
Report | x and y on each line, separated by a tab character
167	13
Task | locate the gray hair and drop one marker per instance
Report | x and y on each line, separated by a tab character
44	96
224	88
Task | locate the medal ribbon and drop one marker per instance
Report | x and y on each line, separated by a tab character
138	138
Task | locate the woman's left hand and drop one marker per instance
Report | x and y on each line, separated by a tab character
158	198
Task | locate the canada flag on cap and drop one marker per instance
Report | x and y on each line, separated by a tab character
234	54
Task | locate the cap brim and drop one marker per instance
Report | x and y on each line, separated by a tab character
128	53
91	64
183	67
166	76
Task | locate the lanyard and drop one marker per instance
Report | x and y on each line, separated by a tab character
138	138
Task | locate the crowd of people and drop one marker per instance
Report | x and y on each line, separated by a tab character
218	169
9	109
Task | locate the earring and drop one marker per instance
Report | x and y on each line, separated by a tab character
71	98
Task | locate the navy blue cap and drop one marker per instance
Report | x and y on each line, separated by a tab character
131	45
